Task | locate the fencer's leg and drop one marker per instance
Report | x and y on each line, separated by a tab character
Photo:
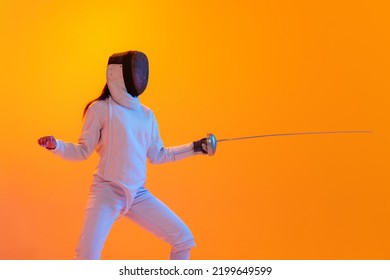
97	225
156	217
180	255
101	212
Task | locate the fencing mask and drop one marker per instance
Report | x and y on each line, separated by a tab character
129	70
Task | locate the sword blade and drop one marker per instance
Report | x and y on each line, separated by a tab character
294	134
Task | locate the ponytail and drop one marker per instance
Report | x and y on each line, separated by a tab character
104	95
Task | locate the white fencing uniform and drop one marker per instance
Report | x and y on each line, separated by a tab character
125	134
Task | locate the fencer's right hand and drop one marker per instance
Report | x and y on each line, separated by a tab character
48	142
201	146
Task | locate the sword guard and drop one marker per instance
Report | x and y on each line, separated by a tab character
211	144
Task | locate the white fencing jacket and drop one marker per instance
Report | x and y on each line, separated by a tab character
125	134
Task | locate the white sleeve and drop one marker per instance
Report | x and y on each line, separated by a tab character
87	142
157	153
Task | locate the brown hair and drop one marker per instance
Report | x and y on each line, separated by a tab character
104	95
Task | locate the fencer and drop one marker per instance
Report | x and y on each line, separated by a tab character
125	135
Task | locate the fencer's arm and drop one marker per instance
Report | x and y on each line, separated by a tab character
87	142
175	153
157	153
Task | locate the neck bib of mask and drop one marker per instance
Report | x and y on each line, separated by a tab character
117	88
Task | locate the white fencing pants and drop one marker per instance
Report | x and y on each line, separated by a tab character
107	201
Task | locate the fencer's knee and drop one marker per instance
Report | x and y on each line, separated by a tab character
183	241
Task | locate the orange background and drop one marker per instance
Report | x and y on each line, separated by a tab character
233	68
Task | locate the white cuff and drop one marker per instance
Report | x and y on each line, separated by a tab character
58	143
181	152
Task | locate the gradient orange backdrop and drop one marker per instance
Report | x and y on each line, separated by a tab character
233	68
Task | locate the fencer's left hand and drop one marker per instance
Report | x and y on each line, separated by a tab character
48	142
201	146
